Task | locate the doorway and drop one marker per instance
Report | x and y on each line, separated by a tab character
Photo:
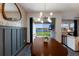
41	28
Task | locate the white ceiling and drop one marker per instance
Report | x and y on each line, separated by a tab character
54	7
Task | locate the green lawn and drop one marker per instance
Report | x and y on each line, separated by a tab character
47	34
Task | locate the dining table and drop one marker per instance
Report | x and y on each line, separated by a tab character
51	47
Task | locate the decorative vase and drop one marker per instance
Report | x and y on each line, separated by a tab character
46	39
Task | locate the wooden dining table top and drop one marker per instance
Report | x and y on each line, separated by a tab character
50	48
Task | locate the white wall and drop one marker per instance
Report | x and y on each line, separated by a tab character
58	28
70	15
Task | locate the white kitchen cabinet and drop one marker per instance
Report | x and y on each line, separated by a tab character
73	43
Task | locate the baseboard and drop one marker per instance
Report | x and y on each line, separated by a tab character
28	43
19	50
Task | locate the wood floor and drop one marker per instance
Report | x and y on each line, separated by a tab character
49	47
27	52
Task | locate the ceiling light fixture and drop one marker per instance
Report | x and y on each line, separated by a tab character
41	21
51	13
49	20
41	14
